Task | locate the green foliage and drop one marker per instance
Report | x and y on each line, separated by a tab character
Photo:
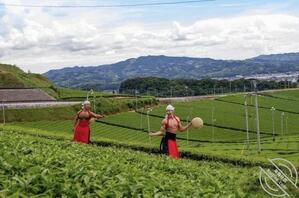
49	168
108	106
13	77
226	140
78	94
49	113
186	87
103	105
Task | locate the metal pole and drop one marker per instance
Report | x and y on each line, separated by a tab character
273	129
136	100
94	104
257	119
3	112
187	131
247	125
281	123
213	109
148	125
286	124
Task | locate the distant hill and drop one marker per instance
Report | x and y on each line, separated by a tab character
110	76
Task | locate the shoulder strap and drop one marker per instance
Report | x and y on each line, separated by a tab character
167	123
176	120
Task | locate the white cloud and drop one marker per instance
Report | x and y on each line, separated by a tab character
39	40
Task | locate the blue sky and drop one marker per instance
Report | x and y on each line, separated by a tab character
39	39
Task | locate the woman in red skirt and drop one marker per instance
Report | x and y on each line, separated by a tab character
82	121
170	125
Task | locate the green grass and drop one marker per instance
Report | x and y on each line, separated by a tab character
39	167
49	114
128	130
225	140
76	94
12	76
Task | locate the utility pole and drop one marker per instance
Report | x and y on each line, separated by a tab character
246	120
257	118
273	129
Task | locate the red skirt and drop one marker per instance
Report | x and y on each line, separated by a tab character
173	150
82	132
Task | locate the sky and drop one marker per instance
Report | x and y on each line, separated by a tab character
43	38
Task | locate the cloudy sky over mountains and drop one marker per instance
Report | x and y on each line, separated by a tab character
43	38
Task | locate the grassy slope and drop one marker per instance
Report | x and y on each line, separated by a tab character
12	76
37	166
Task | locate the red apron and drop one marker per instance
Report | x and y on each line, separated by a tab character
82	130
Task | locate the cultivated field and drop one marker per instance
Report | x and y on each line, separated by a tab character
223	139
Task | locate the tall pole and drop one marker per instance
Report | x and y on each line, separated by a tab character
273	129
257	119
246	119
3	112
94	103
136	100
281	123
213	130
286	124
188	131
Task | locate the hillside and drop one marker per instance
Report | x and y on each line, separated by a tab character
110	76
13	77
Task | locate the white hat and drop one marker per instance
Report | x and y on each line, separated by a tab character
169	108
86	102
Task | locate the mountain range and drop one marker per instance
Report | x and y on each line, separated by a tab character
109	76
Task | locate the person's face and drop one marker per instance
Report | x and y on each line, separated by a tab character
87	106
169	112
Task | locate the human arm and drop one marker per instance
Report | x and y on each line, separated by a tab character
184	128
97	116
161	131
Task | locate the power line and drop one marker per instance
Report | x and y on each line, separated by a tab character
104	6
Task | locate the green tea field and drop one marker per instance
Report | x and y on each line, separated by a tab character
222	141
